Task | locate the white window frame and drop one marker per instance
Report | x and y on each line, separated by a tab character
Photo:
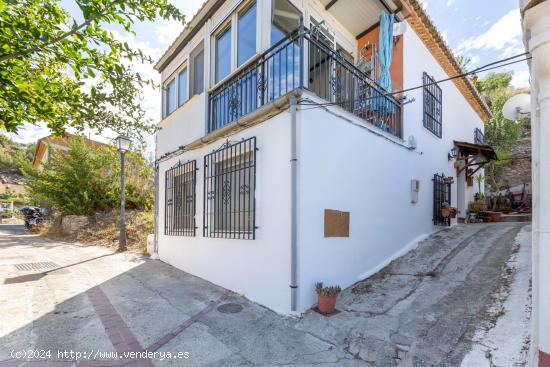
232	21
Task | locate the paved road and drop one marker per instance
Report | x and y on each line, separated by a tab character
424	309
7	229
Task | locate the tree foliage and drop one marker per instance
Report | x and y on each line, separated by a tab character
500	133
65	72
85	179
12	153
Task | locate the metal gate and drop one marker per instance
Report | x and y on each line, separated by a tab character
442	194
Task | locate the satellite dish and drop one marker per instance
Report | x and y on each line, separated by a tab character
517	107
399	28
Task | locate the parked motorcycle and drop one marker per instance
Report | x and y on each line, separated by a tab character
33	216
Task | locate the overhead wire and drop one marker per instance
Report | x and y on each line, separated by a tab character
490	66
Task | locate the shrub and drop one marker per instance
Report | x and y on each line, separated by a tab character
85	179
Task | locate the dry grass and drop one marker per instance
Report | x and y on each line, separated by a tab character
104	230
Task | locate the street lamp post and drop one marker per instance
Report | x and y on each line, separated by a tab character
123	145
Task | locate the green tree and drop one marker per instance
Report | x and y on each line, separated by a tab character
500	133
85	180
12	153
72	71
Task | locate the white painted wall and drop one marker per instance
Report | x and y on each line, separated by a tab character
536	32
260	268
343	165
182	126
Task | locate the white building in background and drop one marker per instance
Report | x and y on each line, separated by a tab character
282	162
536	31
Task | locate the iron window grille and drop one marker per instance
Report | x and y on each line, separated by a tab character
479	138
433	105
180	196
442	194
229	188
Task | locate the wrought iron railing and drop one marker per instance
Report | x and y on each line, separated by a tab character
479	138
442	194
280	70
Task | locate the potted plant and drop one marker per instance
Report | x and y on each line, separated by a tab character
448	180
445	210
326	298
454	211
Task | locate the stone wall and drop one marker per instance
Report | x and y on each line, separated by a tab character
518	170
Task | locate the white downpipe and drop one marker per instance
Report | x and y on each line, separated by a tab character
293	207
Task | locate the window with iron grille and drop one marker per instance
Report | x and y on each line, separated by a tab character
229	187
180	196
433	105
442	194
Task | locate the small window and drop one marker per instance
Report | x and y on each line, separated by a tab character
170	98
180	199
432	105
246	37
230	181
223	55
285	19
182	87
198	72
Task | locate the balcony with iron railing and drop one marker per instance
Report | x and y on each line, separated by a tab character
282	68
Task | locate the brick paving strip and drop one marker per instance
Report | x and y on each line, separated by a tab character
120	335
184	325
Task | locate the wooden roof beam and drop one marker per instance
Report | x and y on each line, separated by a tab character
331	4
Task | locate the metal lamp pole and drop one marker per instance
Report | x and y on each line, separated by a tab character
123	145
122	239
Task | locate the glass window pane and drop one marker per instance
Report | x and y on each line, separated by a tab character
171	97
223	55
246	42
285	19
182	87
198	73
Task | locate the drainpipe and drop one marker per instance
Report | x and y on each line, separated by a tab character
293	179
293	207
155	254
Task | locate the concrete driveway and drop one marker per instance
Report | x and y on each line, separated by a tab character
75	305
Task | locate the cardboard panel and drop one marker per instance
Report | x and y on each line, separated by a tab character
336	223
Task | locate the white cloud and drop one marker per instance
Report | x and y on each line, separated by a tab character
520	79
425	4
450	3
505	35
167	31
445	36
29	133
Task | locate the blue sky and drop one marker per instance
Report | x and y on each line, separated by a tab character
483	30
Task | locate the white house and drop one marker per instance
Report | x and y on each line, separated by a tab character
283	162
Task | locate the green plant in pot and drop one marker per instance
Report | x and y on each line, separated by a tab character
326	298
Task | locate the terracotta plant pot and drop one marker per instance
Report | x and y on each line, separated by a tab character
326	304
453	212
445	212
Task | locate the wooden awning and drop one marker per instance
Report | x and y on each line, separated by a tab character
470	155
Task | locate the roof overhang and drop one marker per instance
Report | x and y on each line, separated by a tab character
208	9
472	157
